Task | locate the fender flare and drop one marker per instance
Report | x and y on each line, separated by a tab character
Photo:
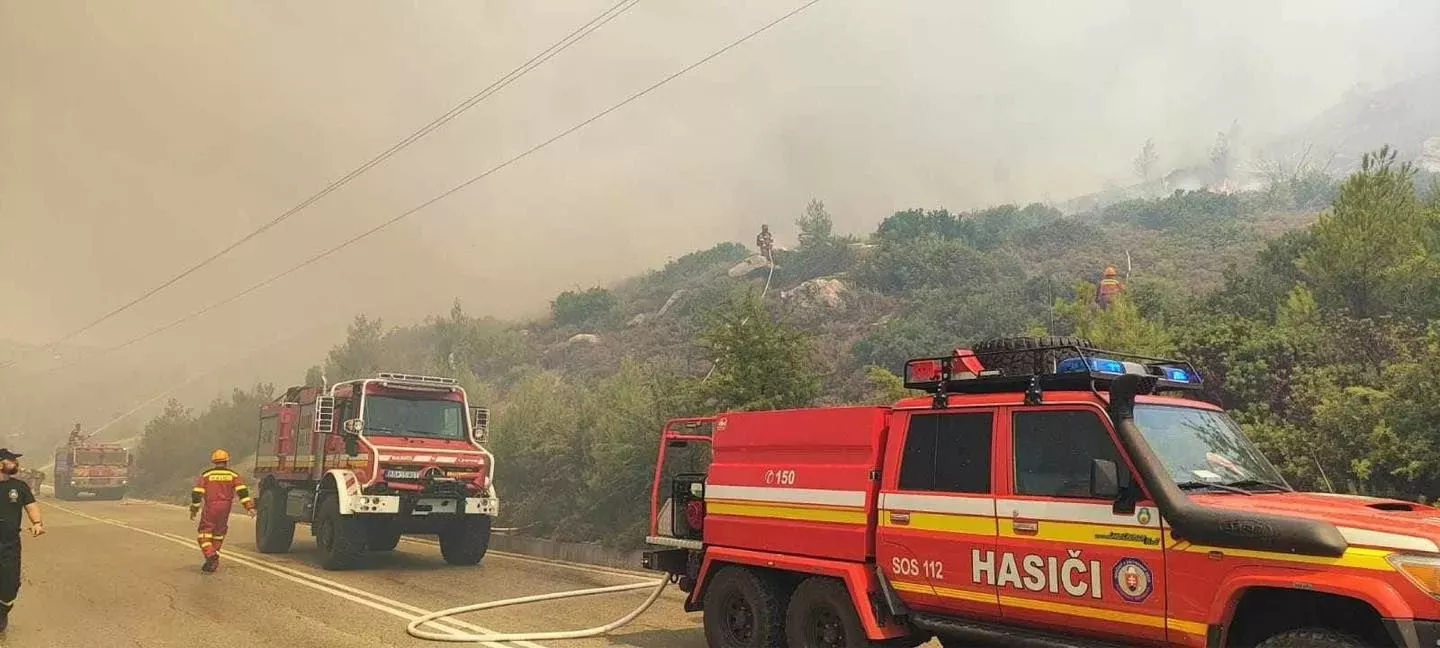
859	581
346	485
1374	592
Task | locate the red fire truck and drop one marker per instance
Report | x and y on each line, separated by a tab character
1040	495
407	458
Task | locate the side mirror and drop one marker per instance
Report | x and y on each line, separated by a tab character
353	427
479	424
1104	479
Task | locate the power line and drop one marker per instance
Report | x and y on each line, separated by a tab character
573	37
449	192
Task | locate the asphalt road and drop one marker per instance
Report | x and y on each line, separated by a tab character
128	574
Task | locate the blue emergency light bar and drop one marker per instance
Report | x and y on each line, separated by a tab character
1060	367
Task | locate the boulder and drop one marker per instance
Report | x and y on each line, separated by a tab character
824	292
674	297
749	266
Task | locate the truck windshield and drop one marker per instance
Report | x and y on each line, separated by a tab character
97	458
398	416
1204	447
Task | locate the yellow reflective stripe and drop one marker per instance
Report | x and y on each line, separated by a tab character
206	544
803	513
980	525
1071	533
1188	627
198	489
1354	557
947	592
218	537
1067	609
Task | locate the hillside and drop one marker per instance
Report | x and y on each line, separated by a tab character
1265	297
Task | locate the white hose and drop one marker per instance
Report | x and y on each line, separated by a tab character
415	631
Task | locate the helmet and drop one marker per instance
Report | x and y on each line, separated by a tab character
219	456
1110	271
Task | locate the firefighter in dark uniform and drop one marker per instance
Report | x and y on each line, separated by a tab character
15	496
215	492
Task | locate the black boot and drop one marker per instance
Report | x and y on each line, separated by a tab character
4	617
210	564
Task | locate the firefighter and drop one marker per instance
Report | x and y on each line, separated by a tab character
215	492
1110	288
766	242
15	496
75	436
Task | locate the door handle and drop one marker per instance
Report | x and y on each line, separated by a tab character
900	518
1024	526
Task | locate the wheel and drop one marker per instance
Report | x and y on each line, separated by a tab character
821	615
743	610
1007	354
1313	638
382	535
274	532
341	538
466	541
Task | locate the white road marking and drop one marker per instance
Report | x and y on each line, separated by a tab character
503	554
389	606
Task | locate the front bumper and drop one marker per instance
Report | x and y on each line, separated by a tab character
425	505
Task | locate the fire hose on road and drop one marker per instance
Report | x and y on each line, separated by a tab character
415	631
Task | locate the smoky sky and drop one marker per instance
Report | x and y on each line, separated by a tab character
138	137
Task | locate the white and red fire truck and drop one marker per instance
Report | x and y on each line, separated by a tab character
408	457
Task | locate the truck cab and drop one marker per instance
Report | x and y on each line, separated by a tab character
1076	498
369	460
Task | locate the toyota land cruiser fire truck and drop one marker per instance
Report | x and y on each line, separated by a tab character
1041	494
408	457
102	469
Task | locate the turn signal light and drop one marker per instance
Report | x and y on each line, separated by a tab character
1424	571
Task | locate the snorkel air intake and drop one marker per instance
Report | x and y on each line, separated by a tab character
1221	528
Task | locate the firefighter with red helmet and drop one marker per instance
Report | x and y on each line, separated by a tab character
212	498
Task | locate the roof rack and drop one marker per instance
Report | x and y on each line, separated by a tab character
1048	368
411	380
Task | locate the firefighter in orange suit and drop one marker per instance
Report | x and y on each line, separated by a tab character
214	494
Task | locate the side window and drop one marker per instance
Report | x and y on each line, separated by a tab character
1053	451
948	453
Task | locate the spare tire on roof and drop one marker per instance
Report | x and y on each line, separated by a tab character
1008	355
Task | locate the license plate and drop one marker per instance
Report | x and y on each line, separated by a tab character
403	474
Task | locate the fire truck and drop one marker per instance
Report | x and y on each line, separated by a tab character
102	469
1040	493
407	457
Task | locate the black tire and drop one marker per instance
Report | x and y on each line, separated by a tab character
821	615
341	538
382	535
466	541
274	532
743	610
1006	354
1314	638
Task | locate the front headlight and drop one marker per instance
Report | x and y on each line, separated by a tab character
1423	571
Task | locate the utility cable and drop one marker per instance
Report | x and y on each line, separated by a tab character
534	62
453	190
